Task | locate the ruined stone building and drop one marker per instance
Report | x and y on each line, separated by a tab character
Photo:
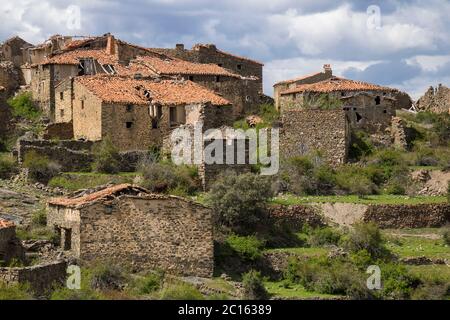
10	247
125	224
14	49
136	113
209	53
307	79
369	107
435	100
242	92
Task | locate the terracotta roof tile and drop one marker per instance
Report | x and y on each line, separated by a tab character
99	195
73	57
337	84
172	66
120	89
6	223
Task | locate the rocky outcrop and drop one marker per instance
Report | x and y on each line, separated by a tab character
435	100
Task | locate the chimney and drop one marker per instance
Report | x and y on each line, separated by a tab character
327	70
111	45
179	46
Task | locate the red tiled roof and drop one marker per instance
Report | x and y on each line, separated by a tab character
298	79
118	89
172	66
337	84
6	223
102	194
73	57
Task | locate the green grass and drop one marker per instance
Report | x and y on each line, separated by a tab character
373	199
431	272
278	289
307	252
73	181
416	246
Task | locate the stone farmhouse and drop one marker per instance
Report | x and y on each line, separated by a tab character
136	113
9	244
127	224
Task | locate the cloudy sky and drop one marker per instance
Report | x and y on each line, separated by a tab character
405	44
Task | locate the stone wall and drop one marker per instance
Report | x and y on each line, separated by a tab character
304	131
296	216
164	232
9	77
64	101
40	277
435	100
409	216
62	130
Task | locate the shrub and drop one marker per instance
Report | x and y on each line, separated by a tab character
168	178
8	167
106	157
107	277
180	291
398	283
324	236
22	106
253	285
248	248
355	180
366	236
40	168
14	292
39	218
149	284
446	236
239	201
360	146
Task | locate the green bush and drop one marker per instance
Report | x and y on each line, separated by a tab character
446	236
166	177
239	201
324	236
248	248
106	276
397	282
355	180
22	106
366	236
14	292
106	157
8	167
39	218
253	285
149	284
360	146
40	168
180	291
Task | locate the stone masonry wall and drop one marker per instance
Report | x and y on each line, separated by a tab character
435	100
168	233
62	130
40	277
304	131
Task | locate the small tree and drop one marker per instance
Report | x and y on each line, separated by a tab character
254	288
107	158
239	201
40	168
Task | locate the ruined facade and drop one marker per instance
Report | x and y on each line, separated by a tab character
137	113
14	49
9	77
435	100
208	53
306	131
125	224
10	247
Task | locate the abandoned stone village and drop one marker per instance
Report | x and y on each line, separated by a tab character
92	89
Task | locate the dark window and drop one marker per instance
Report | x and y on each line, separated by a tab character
384	111
220	65
129	107
159	112
191	78
62	112
154	123
239	66
358	117
342	93
377	100
82	104
129	124
61	95
217	78
67	239
172	115
354	109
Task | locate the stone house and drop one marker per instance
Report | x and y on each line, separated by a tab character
292	83
210	54
137	113
13	50
242	92
10	247
368	106
125	224
304	131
